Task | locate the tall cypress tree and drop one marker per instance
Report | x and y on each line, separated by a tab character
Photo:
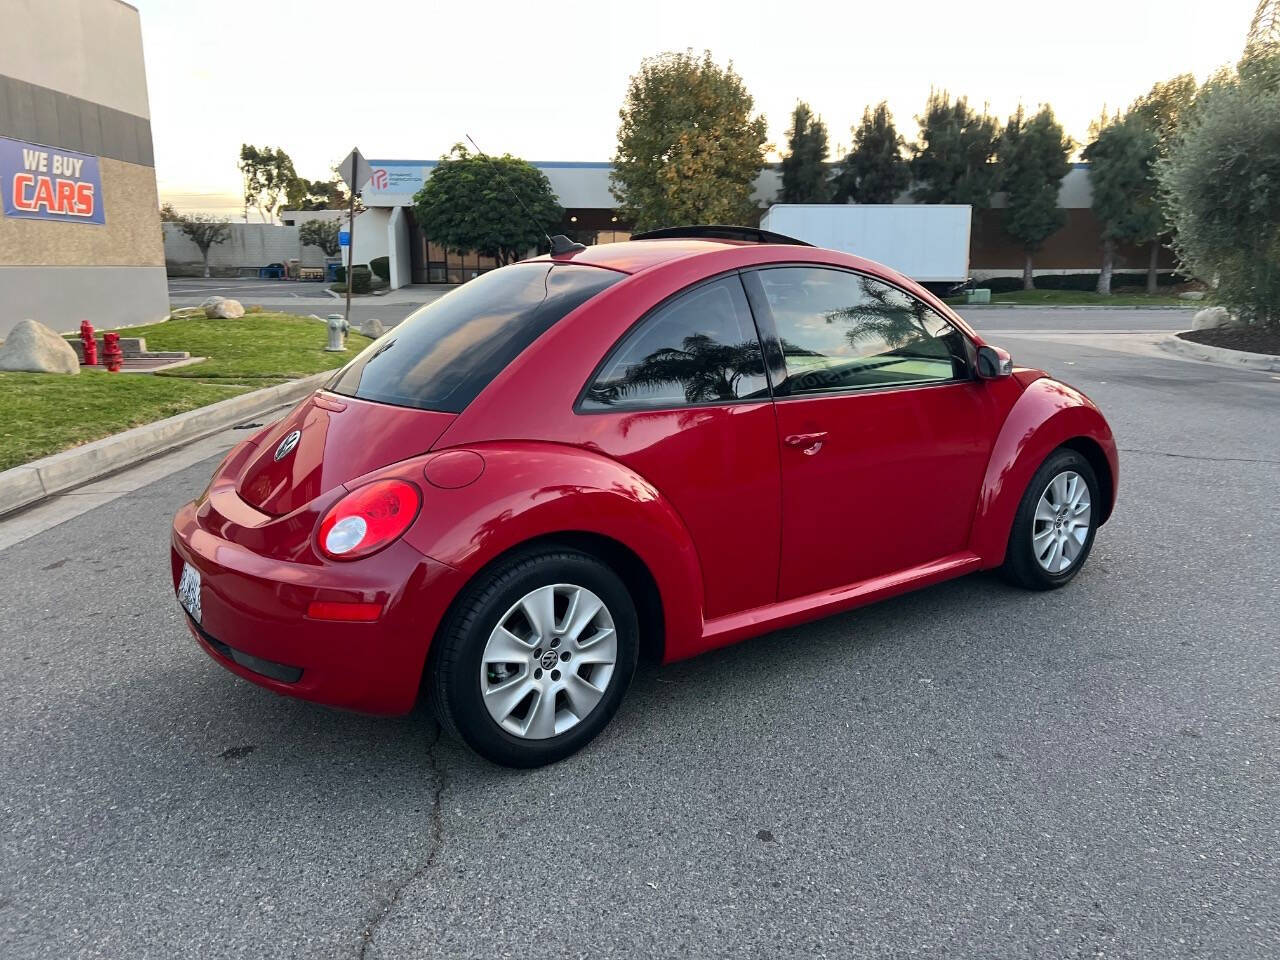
1122	159
804	171
952	163
875	171
1033	160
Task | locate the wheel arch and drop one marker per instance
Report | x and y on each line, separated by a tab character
1092	451
1047	415
533	494
621	559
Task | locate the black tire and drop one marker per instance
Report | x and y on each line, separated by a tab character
1020	565
455	662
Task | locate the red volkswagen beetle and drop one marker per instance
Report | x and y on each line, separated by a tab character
665	445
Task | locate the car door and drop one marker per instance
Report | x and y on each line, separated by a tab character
884	433
683	400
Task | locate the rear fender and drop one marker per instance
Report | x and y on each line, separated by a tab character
1047	415
530	490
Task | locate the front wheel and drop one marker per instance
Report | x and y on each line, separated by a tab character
535	658
1053	529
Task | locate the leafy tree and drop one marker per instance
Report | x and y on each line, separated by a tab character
1221	184
689	149
875	170
465	206
268	176
1166	103
1122	160
331	194
322	234
953	162
1164	108
168	214
804	169
204	232
1033	156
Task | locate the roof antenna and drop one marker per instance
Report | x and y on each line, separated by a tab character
559	244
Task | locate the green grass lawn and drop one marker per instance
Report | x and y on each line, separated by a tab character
1071	298
258	345
44	413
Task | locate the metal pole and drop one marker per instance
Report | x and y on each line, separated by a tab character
351	244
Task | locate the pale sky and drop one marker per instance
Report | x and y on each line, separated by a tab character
404	79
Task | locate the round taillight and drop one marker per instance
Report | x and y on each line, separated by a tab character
368	518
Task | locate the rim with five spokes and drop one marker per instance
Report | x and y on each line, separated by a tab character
548	662
1060	528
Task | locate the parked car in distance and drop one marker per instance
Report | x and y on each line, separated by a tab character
660	446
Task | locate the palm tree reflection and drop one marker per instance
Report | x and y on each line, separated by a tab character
704	369
886	315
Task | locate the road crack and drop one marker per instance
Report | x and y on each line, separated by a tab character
437	840
1193	456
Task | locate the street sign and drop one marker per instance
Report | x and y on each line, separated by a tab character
355	171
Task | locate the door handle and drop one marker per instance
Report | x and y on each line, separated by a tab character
810	442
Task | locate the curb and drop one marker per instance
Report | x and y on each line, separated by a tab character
32	482
1067	306
1264	362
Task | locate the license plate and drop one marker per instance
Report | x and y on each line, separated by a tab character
189	591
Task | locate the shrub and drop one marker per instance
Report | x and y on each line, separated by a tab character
381	266
1222	183
1077	281
361	278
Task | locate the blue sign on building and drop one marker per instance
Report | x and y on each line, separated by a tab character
344	238
47	183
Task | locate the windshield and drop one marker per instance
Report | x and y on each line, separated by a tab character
444	354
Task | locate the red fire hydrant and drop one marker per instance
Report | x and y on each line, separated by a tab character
90	344
112	355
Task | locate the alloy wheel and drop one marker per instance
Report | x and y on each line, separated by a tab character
548	662
1060	528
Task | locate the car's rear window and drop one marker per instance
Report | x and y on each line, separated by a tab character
444	354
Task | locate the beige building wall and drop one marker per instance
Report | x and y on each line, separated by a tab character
73	78
130	237
90	50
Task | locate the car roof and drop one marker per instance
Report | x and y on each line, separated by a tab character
633	256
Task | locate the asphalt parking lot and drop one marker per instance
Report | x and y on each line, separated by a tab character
968	771
297	297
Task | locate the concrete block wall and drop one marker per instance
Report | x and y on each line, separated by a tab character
249	246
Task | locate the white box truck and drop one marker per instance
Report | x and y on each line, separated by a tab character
925	241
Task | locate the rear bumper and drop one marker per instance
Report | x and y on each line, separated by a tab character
254	618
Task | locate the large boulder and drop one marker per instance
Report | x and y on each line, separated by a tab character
1210	318
224	310
34	348
373	328
208	302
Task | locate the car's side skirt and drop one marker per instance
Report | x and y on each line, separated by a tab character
775	616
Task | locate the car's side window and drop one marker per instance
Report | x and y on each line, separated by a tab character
840	330
701	347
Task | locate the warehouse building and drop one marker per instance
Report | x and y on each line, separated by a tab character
387	227
79	215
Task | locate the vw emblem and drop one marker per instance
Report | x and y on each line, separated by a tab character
287	444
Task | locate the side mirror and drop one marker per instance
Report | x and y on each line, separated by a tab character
994	363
